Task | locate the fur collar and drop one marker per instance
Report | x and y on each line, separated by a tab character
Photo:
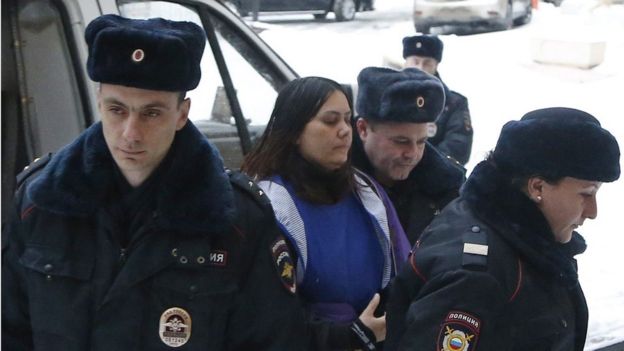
520	222
195	194
434	175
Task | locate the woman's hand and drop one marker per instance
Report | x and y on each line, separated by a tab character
376	324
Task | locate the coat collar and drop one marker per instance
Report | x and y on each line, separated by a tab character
195	194
520	222
434	175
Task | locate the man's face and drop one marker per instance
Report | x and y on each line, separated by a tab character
139	127
423	63
394	149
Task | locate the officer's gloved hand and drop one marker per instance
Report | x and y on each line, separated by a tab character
368	329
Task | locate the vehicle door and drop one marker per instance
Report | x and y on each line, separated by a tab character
47	98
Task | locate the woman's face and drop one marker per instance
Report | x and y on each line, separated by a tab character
567	204
326	138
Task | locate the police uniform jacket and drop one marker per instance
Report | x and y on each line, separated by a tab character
201	272
489	275
454	132
431	185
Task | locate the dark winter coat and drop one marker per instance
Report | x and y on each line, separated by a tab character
431	185
207	246
520	293
454	128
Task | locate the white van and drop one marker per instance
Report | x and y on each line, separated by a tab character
48	99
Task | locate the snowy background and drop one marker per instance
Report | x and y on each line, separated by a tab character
496	72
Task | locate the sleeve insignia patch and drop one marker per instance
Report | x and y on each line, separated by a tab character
459	332
284	264
467	122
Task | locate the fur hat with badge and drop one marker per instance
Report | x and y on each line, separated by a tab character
558	142
154	54
409	95
423	45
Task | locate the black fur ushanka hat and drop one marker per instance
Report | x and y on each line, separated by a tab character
154	54
558	142
409	95
423	45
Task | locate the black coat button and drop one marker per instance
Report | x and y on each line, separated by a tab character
48	268
564	323
193	288
475	229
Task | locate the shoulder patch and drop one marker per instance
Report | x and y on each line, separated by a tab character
243	182
459	332
284	264
467	122
36	165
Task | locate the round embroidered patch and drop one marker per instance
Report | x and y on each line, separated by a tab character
459	332
175	327
284	264
455	340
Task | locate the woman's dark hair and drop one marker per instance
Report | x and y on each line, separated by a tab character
276	153
518	179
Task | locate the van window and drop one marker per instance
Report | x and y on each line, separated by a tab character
254	90
254	83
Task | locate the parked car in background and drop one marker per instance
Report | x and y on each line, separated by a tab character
344	10
499	13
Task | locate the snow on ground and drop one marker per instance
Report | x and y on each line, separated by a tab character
496	72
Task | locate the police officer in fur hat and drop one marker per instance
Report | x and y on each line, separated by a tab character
394	110
134	237
452	134
496	269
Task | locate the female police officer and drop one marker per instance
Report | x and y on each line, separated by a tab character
495	271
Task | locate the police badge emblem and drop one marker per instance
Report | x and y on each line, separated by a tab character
284	264
459	332
175	327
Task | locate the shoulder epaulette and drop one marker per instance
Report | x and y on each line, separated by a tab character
243	182
475	247
36	165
